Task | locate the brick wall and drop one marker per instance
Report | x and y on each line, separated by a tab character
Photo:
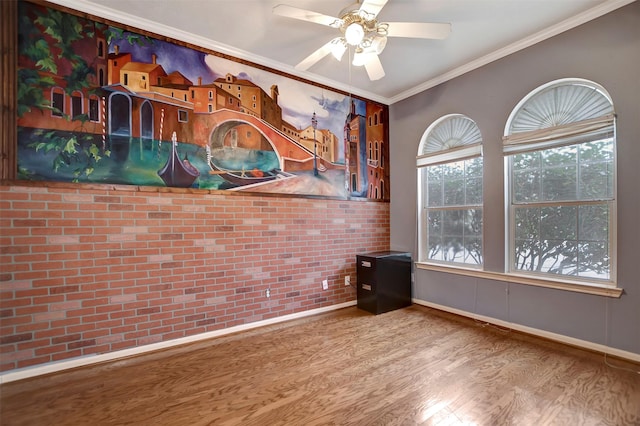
94	269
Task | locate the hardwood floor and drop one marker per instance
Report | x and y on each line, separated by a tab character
406	367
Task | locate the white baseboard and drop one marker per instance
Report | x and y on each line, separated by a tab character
536	332
25	373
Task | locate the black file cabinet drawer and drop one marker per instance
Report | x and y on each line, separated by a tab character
384	281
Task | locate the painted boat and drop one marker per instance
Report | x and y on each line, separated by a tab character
245	177
176	172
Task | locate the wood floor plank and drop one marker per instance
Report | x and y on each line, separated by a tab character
414	366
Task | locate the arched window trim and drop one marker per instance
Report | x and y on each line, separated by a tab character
594	127
462	142
591	120
468	146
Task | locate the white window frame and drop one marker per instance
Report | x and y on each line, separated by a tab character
551	137
454	151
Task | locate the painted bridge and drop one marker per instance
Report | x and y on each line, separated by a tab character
212	127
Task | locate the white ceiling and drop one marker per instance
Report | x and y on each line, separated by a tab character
482	31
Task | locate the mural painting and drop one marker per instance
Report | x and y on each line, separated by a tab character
99	104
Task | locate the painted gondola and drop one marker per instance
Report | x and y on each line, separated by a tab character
176	172
245	177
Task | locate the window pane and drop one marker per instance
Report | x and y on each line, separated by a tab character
526	161
562	156
559	222
565	240
527	221
473	251
473	167
434	186
453	176
596	170
559	257
434	219
455	235
454	192
596	181
594	260
473	222
559	183
526	186
473	190
435	248
594	223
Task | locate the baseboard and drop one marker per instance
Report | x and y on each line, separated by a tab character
55	367
536	332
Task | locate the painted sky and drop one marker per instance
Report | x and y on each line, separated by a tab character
298	100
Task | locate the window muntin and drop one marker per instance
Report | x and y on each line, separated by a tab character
450	169
561	183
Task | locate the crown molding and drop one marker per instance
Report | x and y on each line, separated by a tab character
184	36
567	24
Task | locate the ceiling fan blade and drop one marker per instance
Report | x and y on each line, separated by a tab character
311	60
306	15
373	6
419	30
374	67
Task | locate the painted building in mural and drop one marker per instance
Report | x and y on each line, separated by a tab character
355	137
377	163
125	98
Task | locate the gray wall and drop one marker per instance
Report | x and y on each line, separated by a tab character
606	51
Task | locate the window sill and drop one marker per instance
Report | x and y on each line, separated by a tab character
588	288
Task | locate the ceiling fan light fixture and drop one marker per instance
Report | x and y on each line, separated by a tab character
338	48
354	33
378	44
361	29
359	58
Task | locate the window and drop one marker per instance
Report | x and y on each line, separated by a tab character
559	148
57	102
76	105
101	48
450	192
94	108
183	116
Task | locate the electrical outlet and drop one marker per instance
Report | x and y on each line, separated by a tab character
347	280
325	284
268	293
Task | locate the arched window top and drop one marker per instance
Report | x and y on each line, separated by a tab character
562	112
450	131
559	103
451	135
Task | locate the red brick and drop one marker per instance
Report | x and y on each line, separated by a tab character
179	275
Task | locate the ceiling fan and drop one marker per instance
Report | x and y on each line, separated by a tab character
361	29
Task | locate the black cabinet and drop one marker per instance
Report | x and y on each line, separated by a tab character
384	281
